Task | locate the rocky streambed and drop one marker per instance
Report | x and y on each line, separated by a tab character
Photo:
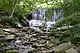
26	40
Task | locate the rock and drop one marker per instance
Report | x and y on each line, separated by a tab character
2	36
6	33
19	25
1	26
24	29
43	51
50	45
78	49
46	32
18	41
30	36
42	41
40	45
34	34
71	50
33	40
18	34
1	50
44	37
62	47
6	30
31	49
64	27
10	36
10	30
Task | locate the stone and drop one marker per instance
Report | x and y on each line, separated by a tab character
19	25
18	41
2	36
62	47
24	29
1	50
18	34
11	30
42	41
71	50
40	45
43	51
44	37
6	33
10	36
6	30
34	34
33	40
64	27
78	49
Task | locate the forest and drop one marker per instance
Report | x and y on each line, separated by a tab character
39	26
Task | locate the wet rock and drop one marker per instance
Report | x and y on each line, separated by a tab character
18	34
1	26
44	37
78	49
1	50
10	36
18	41
19	25
34	34
31	49
42	41
24	29
38	42
33	40
2	36
62	47
43	51
10	30
71	50
40	45
50	44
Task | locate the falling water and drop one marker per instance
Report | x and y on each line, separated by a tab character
34	16
39	16
43	12
54	16
60	15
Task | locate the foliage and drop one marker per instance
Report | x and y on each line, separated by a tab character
16	9
71	17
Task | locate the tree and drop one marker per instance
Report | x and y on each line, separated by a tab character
71	11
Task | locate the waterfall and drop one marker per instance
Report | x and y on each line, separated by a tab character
34	16
43	12
39	16
54	16
60	15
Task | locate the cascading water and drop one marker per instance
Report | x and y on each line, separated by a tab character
54	16
51	22
39	16
34	16
60	15
37	19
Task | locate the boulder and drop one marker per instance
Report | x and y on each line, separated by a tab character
78	49
62	47
71	50
18	41
10	36
10	30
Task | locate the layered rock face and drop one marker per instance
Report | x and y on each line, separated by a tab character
26	40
